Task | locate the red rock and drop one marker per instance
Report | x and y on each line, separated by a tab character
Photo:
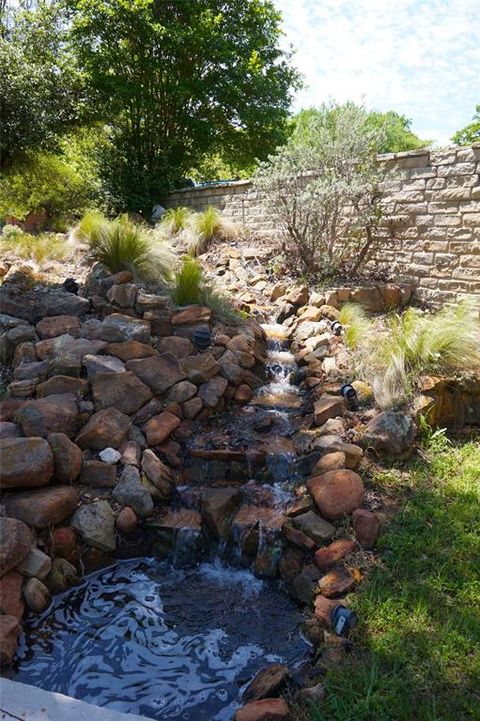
160	427
323	609
105	429
192	408
126	520
267	709
328	407
9	632
123	391
336	492
171	451
158	473
200	368
61	385
267	683
43	508
65	543
130	350
191	315
11	601
218	506
53	414
175	409
98	474
329	462
243	394
327	557
150	409
25	462
67	457
298	296
336	582
298	538
367	526
159	372
51	327
15	542
175	345
8	408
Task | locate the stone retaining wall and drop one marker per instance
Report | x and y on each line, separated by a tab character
430	235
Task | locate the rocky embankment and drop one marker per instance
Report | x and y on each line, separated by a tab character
107	446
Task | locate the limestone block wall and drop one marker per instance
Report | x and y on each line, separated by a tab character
430	233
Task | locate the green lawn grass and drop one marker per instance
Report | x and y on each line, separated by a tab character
416	654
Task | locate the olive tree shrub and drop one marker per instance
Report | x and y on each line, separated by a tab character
323	188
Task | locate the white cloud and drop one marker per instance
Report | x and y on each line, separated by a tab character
418	57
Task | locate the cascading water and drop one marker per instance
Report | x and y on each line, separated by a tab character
142	637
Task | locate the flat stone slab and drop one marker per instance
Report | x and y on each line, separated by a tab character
21	701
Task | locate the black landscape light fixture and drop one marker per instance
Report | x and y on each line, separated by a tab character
350	395
336	327
202	337
343	620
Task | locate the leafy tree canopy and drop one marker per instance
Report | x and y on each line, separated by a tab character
40	85
176	79
471	132
393	130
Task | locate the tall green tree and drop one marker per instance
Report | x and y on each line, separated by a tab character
41	88
176	79
471	132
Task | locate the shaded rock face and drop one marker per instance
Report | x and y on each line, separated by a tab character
336	492
314	526
53	414
218	506
36	594
159	372
200	368
268	682
15	542
124	391
9	632
158	473
117	328
129	491
43	508
107	428
367	526
96	525
392	432
67	457
268	709
11	601
25	462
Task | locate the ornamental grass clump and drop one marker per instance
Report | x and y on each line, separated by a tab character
415	344
206	227
175	220
355	322
41	248
190	288
121	244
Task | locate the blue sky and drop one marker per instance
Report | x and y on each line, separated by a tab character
418	57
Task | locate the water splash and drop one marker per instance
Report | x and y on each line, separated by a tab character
143	637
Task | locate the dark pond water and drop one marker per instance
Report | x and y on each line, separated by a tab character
145	638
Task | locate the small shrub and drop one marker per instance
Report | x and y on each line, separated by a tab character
121	245
175	220
42	183
208	226
353	318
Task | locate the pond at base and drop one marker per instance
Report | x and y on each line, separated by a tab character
143	637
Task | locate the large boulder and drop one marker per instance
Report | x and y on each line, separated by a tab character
43	508
15	542
59	385
336	492
159	372
25	462
129	491
105	429
124	391
391	432
53	414
218	508
53	326
96	525
67	457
